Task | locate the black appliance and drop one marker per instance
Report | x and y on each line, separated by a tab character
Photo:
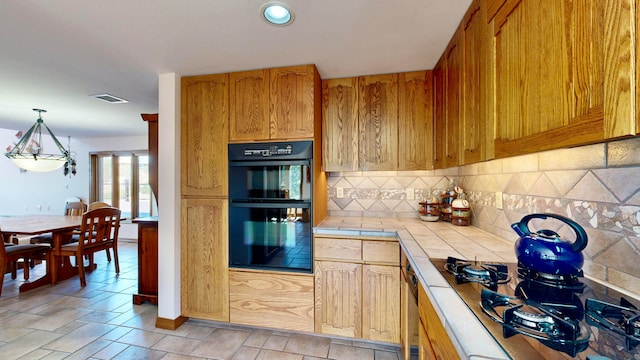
577	319
270	205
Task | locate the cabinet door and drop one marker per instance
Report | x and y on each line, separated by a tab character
425	352
415	121
438	338
439	115
378	122
338	304
556	86
295	97
381	303
340	124
476	119
249	105
453	61
204	132
204	259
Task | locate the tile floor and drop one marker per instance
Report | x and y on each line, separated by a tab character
100	321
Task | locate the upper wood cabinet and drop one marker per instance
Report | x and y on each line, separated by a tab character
204	129
378	122
340	124
564	74
447	84
249	104
476	120
415	120
275	104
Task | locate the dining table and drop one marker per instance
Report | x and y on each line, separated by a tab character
60	226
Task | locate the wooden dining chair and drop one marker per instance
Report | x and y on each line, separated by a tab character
28	253
97	205
98	231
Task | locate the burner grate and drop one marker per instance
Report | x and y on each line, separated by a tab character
489	275
623	319
560	281
546	323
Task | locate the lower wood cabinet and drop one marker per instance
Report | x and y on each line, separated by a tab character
434	341
357	296
147	261
271	299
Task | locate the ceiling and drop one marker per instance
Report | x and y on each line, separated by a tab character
55	54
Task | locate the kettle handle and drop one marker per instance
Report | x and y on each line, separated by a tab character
581	236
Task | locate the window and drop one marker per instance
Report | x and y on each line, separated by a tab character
122	180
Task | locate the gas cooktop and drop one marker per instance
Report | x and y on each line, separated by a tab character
535	315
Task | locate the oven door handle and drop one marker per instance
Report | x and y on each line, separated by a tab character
270	204
270	163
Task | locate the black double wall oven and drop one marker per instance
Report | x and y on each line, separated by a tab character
270	204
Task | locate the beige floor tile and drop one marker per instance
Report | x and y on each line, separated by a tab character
266	354
245	353
385	355
87	351
308	345
170	356
258	338
79	338
27	344
176	344
340	352
141	338
137	353
110	351
275	342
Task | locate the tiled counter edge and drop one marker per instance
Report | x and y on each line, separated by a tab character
468	335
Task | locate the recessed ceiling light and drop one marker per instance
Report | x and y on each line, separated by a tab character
277	13
110	98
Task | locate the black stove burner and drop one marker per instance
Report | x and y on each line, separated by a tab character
559	281
546	322
565	300
623	319
489	275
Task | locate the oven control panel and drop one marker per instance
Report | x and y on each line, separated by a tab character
273	150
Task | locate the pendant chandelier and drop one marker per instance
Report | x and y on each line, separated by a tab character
28	153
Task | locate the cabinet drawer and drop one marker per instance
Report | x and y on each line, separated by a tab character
387	252
338	249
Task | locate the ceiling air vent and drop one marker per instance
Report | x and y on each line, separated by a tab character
110	98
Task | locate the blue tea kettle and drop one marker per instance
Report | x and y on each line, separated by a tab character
544	251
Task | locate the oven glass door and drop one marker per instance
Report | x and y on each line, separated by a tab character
268	180
268	235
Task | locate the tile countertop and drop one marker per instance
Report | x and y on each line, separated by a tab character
423	240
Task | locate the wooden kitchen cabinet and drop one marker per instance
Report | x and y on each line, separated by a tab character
447	87
204	132
340	124
357	288
338	298
415	120
275	104
204	258
476	118
564	74
249	105
433	335
147	260
378	122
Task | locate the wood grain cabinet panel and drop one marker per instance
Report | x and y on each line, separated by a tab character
378	122
204	259
415	120
340	124
337	249
295	102
338	305
380	303
381	252
204	133
249	104
276	300
436	334
545	101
